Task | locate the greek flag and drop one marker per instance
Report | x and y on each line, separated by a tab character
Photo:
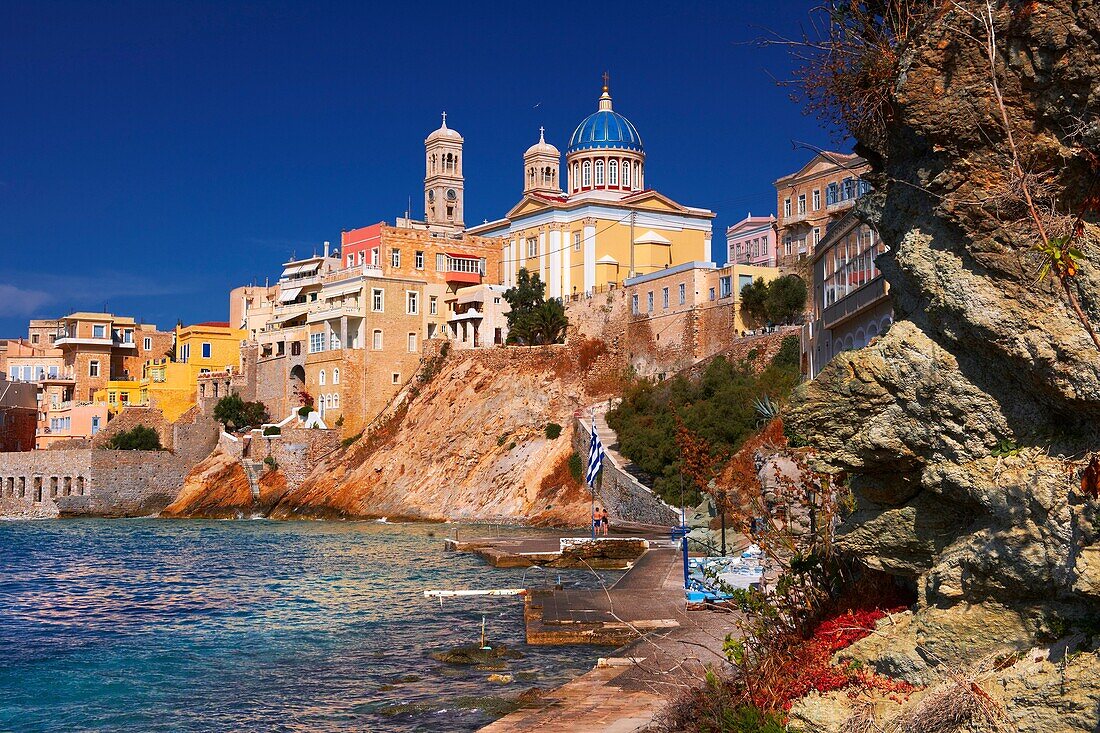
595	457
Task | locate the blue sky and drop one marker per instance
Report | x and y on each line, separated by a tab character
155	155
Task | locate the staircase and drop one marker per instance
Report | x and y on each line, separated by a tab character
254	470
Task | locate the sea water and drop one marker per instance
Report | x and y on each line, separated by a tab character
189	625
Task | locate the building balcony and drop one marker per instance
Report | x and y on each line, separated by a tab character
842	205
795	218
469	278
74	341
321	311
365	270
466	315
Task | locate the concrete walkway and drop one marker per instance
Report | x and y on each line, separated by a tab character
627	692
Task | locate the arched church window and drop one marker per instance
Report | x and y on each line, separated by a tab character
586	174
626	174
321	377
599	172
637	177
613	173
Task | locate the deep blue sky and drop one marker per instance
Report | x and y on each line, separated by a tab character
155	155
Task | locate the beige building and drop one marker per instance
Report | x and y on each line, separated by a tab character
819	193
851	303
686	313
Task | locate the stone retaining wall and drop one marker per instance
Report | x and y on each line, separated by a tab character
624	497
89	482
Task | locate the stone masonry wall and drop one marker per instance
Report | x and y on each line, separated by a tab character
88	482
623	496
128	483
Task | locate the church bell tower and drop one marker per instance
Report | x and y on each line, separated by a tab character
443	194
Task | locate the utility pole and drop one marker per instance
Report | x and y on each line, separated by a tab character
632	273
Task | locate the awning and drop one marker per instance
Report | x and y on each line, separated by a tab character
300	269
289	294
463	256
345	290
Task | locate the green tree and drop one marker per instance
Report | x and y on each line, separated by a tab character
780	301
235	414
786	299
533	319
754	302
137	438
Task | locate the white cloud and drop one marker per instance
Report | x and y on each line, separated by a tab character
20	302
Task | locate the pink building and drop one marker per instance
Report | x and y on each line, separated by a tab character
751	241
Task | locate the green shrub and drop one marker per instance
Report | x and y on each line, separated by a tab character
512	445
339	422
273	430
553	430
271	463
718	408
576	467
348	441
502	439
137	438
789	354
304	410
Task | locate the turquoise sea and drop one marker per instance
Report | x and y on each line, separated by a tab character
170	625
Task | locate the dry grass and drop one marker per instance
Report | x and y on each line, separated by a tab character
952	705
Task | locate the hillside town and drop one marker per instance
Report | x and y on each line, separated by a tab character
584	465
343	331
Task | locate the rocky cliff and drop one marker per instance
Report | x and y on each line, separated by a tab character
468	443
967	431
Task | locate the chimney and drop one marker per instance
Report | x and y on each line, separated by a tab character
326	249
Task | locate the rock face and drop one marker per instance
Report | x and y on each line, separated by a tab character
470	445
966	429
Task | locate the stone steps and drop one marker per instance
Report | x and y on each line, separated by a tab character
254	470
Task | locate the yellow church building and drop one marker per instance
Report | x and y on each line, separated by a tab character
605	225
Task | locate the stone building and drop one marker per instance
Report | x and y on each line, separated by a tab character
686	313
810	199
851	302
477	316
599	224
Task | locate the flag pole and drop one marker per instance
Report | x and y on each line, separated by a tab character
592	483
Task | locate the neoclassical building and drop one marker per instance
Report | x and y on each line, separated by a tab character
600	224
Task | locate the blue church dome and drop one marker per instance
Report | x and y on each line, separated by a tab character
605	128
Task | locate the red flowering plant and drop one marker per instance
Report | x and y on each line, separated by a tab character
817	603
305	399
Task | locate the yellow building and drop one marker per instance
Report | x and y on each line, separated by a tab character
606	226
202	348
119	393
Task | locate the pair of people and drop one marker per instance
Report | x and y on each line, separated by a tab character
601	521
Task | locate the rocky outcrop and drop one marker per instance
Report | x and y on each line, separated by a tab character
219	488
471	445
965	431
468	443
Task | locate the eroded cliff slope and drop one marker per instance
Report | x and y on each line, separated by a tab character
468	442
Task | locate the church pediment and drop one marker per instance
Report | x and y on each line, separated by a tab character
654	201
821	163
528	205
